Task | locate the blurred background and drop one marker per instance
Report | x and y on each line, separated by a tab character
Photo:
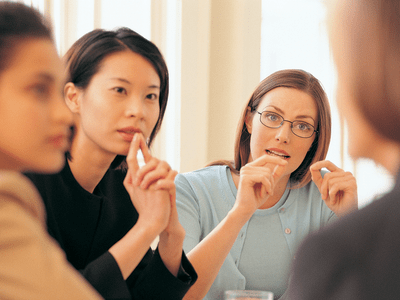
217	51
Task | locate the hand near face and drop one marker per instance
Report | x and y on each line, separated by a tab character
257	182
338	188
151	187
153	194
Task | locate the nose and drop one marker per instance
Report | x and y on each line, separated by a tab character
135	107
283	133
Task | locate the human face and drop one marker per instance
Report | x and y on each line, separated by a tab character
121	99
292	104
364	140
34	120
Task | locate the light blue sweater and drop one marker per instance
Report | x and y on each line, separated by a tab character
262	253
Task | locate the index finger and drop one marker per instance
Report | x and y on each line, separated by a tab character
316	168
145	150
269	159
324	164
131	158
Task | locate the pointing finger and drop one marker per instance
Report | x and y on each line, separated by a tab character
131	158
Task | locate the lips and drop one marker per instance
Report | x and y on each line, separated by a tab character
60	141
277	152
127	133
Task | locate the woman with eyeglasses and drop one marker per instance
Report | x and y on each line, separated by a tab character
245	219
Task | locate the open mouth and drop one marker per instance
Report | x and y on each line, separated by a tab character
274	153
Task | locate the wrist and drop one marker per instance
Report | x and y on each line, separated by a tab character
240	214
173	237
150	227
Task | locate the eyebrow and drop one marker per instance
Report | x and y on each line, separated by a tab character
128	82
297	117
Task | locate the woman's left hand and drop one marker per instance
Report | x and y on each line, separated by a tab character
338	188
158	175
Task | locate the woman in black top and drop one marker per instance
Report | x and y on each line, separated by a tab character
117	89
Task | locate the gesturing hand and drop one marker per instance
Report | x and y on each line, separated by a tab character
338	188
257	181
150	187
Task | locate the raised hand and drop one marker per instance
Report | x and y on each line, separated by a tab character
338	188
150	187
257	182
153	194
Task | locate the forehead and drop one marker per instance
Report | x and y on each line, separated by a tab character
290	101
35	56
129	63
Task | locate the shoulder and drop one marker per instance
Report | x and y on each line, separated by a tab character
207	180
207	174
20	189
360	228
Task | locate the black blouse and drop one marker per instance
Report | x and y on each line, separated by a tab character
87	224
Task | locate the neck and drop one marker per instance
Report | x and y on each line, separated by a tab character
88	165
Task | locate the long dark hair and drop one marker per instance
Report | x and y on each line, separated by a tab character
296	79
84	58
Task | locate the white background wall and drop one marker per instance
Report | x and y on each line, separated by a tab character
217	51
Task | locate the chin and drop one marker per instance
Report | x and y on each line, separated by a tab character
49	166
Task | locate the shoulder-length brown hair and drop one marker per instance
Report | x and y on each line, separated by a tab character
297	79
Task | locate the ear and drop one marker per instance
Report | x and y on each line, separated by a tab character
248	120
72	97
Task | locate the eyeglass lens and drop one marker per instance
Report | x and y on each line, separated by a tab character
274	120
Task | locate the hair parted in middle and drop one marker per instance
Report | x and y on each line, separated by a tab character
296	79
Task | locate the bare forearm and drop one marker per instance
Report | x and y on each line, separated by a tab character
209	255
170	248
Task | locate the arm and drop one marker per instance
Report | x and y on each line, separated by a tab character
257	180
32	265
152	204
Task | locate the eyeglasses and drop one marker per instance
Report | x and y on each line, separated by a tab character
274	120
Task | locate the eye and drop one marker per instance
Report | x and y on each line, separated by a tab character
272	117
152	96
303	126
120	90
41	90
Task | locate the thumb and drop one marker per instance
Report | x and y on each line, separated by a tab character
278	171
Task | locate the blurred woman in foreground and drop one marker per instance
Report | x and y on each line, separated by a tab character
34	133
358	258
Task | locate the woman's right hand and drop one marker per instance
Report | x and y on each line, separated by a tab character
257	182
147	187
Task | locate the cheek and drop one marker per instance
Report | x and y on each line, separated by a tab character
360	139
301	151
153	115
